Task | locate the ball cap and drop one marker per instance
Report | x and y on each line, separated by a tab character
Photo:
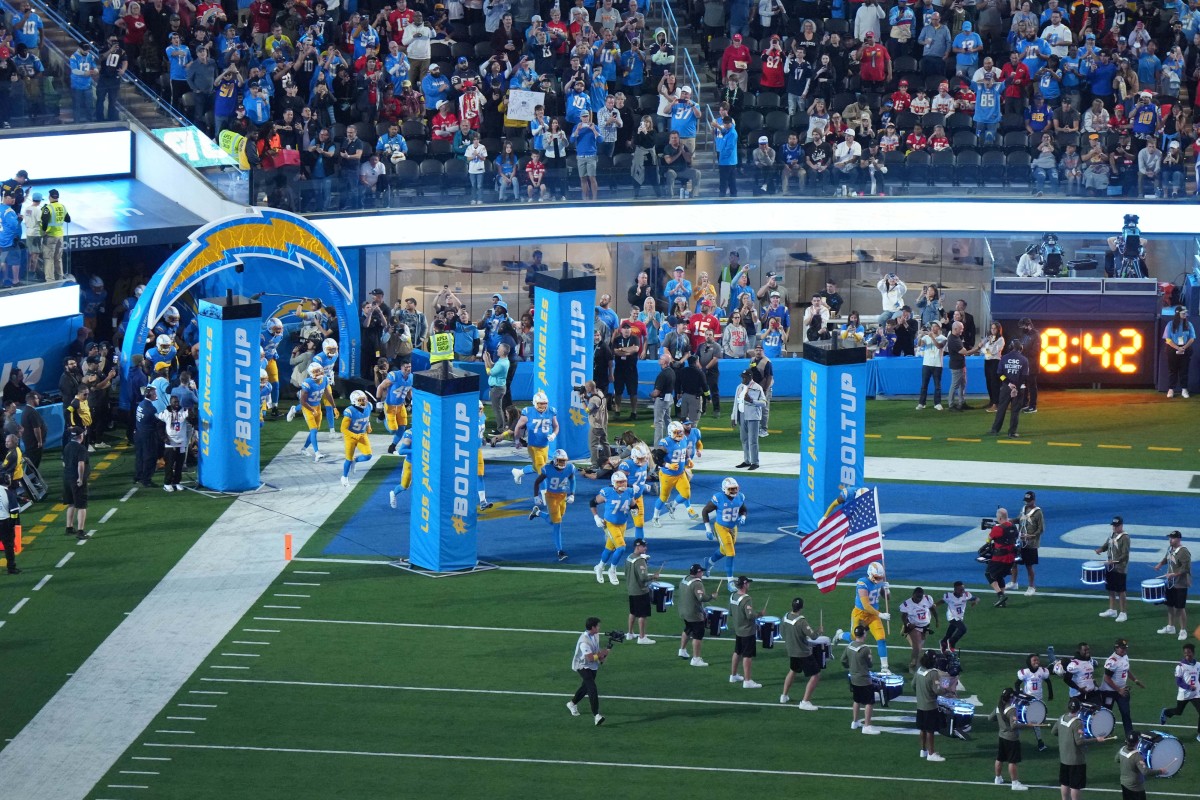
763	140
695	569
737	37
1174	535
679	269
1121	643
1118	521
743	581
639	542
54	192
37	197
1030	496
377	292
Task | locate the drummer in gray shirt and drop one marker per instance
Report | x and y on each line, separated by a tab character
1117	548
1009	748
637	581
798	633
1072	751
689	602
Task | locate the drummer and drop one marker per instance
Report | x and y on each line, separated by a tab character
1178	562
637	581
918	612
1009	749
928	685
1117	547
744	621
856	658
798	634
1035	683
689	602
1134	769
1117	677
1072	751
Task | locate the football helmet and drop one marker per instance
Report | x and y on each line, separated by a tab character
171	315
481	406
262	376
560	455
619	480
316	372
275	326
358	398
640	453
96	282
730	487
163	343
541	402
137	290
875	571
330	348
675	431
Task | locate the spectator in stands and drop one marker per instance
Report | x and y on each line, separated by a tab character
1172	171
349	161
1045	165
766	171
792	162
1016	79
906	333
818	158
676	158
84	70
875	63
735	62
1149	179
772	78
987	109
845	160
935	42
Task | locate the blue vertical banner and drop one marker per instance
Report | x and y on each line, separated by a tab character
833	420
229	397
445	420
563	316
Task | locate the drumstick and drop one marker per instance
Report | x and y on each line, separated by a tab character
764	608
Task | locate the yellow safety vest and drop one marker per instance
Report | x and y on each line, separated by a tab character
441	347
58	215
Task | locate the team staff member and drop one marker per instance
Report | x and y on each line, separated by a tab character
1178	562
54	219
730	507
538	425
637	582
559	477
586	661
356	429
1134	769
744	620
612	517
1117	548
1034	682
1004	554
1009	748
75	482
927	686
9	521
664	396
798	633
1031	525
856	658
1115	687
956	602
1014	377
1072	751
145	438
917	613
1187	678
627	349
689	602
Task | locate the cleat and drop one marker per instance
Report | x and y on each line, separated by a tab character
805	705
885	671
178	487
692	513
1002	601
484	505
391	449
671	510
612	575
291	415
599	570
537	512
838	634
345	481
1042	746
1162	717
317	456
574	709
731	586
748	684
871	730
655	521
706	565
516	473
562	555
698	662
392	498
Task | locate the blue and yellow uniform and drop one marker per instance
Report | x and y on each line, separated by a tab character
615	514
695	446
330	364
637	474
264	400
164	328
866	612
399	391
311	392
673	475
724	512
163	364
270	347
556	485
356	424
404	450
539	433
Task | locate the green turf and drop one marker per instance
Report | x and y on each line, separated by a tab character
373	723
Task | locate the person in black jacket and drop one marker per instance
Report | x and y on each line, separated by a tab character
1031	346
1014	378
10	518
75	481
145	439
906	333
692	389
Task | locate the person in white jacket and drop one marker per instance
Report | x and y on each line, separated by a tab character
867	19
891	292
175	448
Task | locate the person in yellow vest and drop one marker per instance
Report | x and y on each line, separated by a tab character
14	459
54	220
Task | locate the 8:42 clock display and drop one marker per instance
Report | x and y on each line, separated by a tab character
1117	352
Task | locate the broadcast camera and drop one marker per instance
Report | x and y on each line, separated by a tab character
987	523
615	637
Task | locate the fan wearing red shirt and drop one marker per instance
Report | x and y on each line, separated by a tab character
901	99
937	140
772	65
444	123
209	13
535	171
556	24
735	61
261	15
135	35
399	19
916	140
1016	79
964	99
637	325
702	323
875	62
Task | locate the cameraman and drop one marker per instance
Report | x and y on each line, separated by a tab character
597	409
1004	554
586	661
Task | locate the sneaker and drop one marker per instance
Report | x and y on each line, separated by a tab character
291	415
763	434
855	725
317	456
1042	746
1112	612
934	757
783	699
735	678
885	671
1024	411
1030	592
1170	393
1185	394
516	473
937	406
599	570
178	487
392	498
698	662
805	705
612	575
574	709
1017	786
1168	629
751	684
683	653
345	481
998	780
1012	587
1183	638
646	640
537	512
1162	717
871	730
1002	601
920	406
1122	617
168	487
562	555
599	720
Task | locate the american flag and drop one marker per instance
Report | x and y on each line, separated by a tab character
848	539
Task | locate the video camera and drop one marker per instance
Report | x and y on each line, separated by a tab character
987	523
615	637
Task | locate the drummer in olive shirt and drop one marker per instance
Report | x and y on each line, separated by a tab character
689	601
1072	751
1117	548
927	685
1134	769
797	633
1008	751
745	628
637	580
857	659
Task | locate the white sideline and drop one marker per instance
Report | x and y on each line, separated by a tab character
93	719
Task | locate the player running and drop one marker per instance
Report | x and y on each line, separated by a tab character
866	610
404	450
270	338
311	393
396	390
673	478
327	359
163	358
637	469
559	477
692	433
356	424
264	396
612	517
730	507
539	424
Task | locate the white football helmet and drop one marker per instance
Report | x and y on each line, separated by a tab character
560	455
541	402
358	398
316	372
275	326
619	480
163	343
730	487
263	377
875	571
171	315
481	406
137	290
640	453
330	348
675	431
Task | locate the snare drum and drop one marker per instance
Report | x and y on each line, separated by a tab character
717	619
822	650
958	715
1030	710
1161	751
887	687
1098	722
1154	591
662	595
1093	573
769	631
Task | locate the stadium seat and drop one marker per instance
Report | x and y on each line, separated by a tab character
992	168
441	51
620	170
905	64
483	51
441	150
1018	169
768	101
941	168
918	168
838	26
958	121
966	168
751	120
455	180
406	181
1014	141
931	119
1061	140
897	170
905	121
1012	122
777	121
799	123
413	129
431	176
961	139
477	32
840	101
417	150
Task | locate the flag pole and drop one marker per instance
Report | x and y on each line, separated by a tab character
883	560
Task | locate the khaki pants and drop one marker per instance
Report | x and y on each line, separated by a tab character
52	252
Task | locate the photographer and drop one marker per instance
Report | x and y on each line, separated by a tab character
1003	538
597	409
1031	524
586	661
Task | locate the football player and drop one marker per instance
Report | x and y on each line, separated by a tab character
311	393
356	425
637	469
730	507
404	450
559	477
264	396
672	475
396	389
168	325
270	338
612	517
866	610
328	358
163	357
692	432
539	425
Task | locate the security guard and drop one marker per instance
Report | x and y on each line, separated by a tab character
10	519
1014	379
54	219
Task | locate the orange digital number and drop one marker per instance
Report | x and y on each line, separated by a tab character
1132	349
1056	351
1103	351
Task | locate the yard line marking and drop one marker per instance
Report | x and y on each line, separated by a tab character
293	608
137	772
201	691
259	630
1	626
129	494
608	765
151	758
961	439
223	666
1115	446
1166	449
190	719
304	596
197	705
307	572
188	733
1013	441
43	581
245	642
874	436
240	655
108	515
20	604
297	583
124	786
64	559
1063	444
917	438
